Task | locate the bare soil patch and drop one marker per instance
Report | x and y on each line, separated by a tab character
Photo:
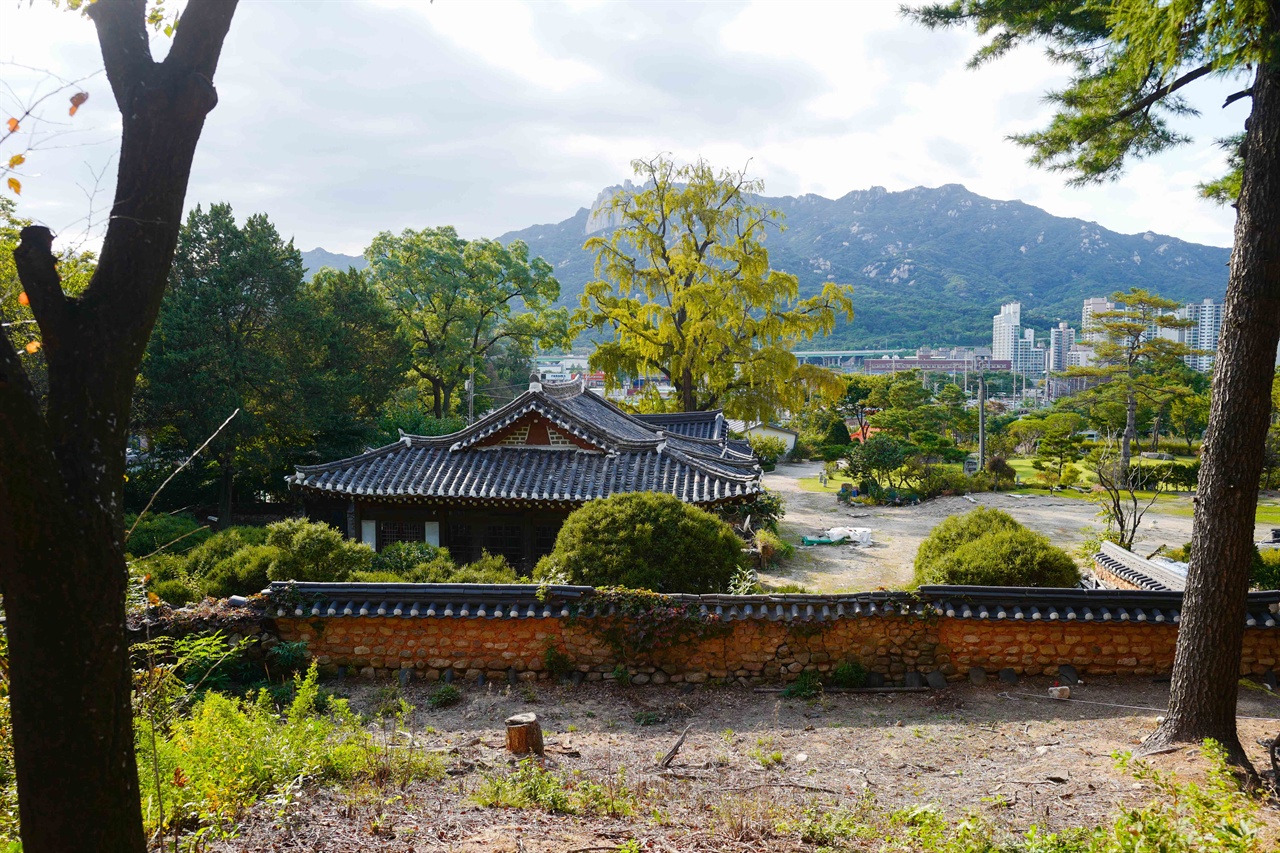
897	531
1006	752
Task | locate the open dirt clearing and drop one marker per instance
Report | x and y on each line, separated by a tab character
897	531
1000	751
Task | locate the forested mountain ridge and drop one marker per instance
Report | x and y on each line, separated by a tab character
931	265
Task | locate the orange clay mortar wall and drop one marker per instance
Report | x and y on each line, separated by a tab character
754	650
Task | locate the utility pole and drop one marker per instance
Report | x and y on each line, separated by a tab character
471	393
982	413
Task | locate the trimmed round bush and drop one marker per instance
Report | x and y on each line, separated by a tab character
644	540
313	551
243	573
987	547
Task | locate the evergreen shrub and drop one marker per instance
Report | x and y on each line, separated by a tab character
987	547
644	540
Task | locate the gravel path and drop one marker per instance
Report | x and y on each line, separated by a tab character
897	531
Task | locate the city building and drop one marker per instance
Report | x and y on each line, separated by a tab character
1092	306
1006	327
1203	336
1061	341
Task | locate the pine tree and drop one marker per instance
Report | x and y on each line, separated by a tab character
1129	62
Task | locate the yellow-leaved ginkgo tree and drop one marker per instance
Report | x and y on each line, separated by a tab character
684	291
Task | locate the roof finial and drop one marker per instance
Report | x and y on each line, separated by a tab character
535	382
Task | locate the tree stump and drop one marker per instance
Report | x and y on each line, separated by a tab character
524	734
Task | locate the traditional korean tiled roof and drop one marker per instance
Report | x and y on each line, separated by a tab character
1139	571
528	601
709	425
612	452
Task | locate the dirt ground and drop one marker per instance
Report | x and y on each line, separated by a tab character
897	531
1006	752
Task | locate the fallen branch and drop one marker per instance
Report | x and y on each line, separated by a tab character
785	785
671	753
852	689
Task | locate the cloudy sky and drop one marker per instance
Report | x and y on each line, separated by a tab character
343	118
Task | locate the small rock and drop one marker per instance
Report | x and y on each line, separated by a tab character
512	678
801	758
1008	676
1067	674
1059	692
686	689
448	676
238	601
913	679
482	680
875	679
404	677
977	675
578	677
936	680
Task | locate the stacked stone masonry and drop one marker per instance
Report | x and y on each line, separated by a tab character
752	650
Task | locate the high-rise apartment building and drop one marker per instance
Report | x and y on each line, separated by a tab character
1006	328
1203	336
1061	340
1092	306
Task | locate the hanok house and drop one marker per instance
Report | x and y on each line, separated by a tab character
506	483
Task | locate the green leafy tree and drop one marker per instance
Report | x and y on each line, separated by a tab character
1129	62
856	404
880	458
684	290
461	301
233	333
357	357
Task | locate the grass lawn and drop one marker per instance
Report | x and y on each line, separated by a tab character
811	484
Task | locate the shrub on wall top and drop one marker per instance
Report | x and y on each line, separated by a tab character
987	547
644	540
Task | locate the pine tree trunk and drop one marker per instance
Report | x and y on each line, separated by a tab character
1130	434
1202	702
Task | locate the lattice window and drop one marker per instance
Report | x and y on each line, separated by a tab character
391	532
544	539
507	540
558	439
462	543
518	436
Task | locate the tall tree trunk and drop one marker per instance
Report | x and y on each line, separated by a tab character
437	408
1130	435
688	402
62	467
226	488
1202	701
1155	434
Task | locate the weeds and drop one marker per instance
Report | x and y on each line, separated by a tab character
764	753
444	696
533	786
806	686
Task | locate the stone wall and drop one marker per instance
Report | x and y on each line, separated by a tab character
753	649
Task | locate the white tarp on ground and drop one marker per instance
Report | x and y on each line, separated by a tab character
856	535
